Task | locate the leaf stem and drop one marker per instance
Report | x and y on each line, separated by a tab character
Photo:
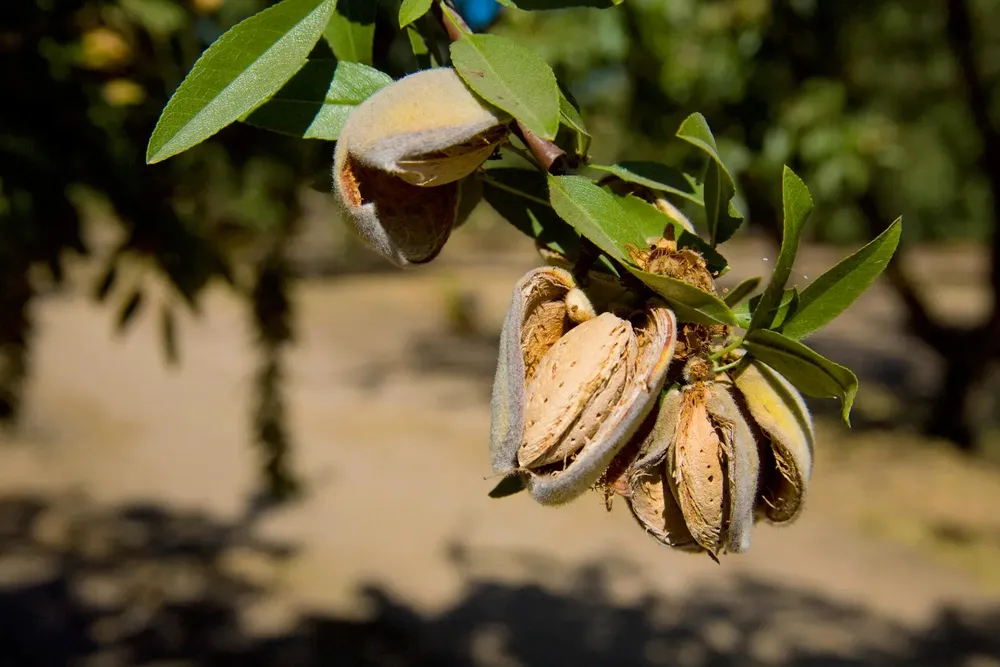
525	155
732	347
722	369
520	193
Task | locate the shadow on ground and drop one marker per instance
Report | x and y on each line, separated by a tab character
144	585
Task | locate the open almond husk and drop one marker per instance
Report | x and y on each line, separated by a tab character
401	157
569	395
787	438
705	453
646	487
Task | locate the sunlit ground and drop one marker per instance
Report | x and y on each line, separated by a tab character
128	534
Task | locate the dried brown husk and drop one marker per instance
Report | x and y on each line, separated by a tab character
664	258
654	507
708	454
742	465
646	487
696	468
600	415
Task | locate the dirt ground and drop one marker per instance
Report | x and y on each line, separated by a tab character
129	533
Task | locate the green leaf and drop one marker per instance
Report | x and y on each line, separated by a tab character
789	301
743	315
508	486
454	19
797	204
351	30
789	304
237	73
830	294
602	218
652	223
595	213
421	54
688	302
571	118
741	291
812	373
521	197
411	10
654	176
511	77
316	102
721	215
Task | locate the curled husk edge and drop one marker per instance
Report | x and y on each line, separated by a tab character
532	327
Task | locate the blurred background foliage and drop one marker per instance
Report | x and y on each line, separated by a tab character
84	82
885	107
863	97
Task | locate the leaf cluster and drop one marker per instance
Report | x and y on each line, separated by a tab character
273	71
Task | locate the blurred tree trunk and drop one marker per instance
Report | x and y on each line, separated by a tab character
968	353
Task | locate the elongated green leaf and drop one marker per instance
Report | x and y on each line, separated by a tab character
789	302
741	291
595	213
511	77
241	70
655	176
652	223
571	118
316	102
351	30
411	10
689	303
743	315
721	215
797	204
454	19
831	293
602	218
418	46
521	197
812	373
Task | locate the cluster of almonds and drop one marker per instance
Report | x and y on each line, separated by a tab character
593	390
